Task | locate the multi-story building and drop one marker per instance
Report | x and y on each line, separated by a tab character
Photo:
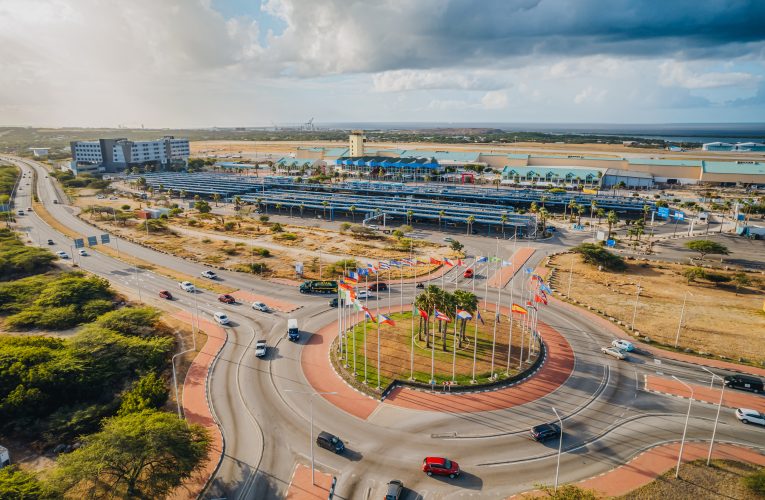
112	155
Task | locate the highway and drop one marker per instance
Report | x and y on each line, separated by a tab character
608	417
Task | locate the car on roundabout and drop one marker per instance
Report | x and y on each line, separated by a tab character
260	306
395	490
62	254
82	252
749	416
334	302
624	345
226	299
468	273
221	318
210	275
187	286
164	294
330	442
543	432
613	351
440	466
364	294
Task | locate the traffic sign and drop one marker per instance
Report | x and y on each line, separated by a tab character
611	243
663	212
92	241
104	239
79	243
678	215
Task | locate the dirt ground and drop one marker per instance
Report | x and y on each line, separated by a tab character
716	319
699	482
395	344
203	238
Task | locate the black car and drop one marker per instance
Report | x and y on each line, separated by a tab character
744	382
544	432
333	302
378	287
395	488
330	442
50	242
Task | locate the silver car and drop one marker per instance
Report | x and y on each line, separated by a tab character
749	416
613	351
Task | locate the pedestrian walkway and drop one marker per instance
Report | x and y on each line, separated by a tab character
276	304
501	278
195	405
300	487
731	398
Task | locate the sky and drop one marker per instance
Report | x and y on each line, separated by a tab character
204	63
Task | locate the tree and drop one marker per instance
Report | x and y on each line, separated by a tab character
612	220
352	210
264	218
141	455
740	279
599	256
148	393
441	214
216	198
543	215
409	215
600	213
469	302
470	220
707	247
202	207
694	273
456	246
16	484
325	204
503	221
182	193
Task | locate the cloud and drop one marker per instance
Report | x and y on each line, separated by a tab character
677	74
456	79
495	99
590	94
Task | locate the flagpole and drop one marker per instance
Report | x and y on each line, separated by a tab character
454	346
353	332
433	351
475	343
414	300
366	283
486	286
390	275
401	292
378	351
496	317
523	331
510	317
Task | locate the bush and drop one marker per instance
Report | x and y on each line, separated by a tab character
286	236
148	393
264	218
694	273
263	252
345	226
18	484
276	228
599	256
755	483
131	321
258	268
360	231
17	259
229	226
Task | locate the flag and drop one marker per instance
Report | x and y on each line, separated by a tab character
460	263
435	261
358	305
353	275
395	263
545	288
368	313
528	270
371	268
447	262
362	271
481	259
539	298
462	314
382	319
506	263
423	313
421	262
478	315
351	279
383	265
442	317
494	259
519	309
344	286
407	262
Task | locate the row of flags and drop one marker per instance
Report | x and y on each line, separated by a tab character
348	295
355	276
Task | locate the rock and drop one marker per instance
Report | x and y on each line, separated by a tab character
59	448
687	349
647	340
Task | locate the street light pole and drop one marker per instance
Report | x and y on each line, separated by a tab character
560	448
312	394
682	313
717	417
685	429
634	311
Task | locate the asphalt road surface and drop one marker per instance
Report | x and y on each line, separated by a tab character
607	416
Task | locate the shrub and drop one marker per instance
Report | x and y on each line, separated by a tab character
263	252
131	321
286	236
276	228
694	273
755	482
18	484
264	218
258	267
360	231
229	226
193	222
148	393
345	226
597	255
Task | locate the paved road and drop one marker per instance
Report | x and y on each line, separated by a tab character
608	418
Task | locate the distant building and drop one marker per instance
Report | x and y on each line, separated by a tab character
740	146
356	143
40	152
5	457
112	155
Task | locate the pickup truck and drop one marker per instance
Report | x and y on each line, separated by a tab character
260	348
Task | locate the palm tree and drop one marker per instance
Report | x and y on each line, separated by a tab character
352	210
534	207
302	207
543	199
279	207
237	200
216	198
600	213
543	214
449	306
409	215
427	301
612	220
470	220
183	194
197	197
469	302
646	209
441	213
503	221
593	207
579	212
324	204
571	205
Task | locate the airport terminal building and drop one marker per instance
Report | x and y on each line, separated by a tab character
114	155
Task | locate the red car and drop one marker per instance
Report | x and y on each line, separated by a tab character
468	273
440	467
226	298
164	294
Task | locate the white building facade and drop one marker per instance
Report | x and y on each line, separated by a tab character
112	155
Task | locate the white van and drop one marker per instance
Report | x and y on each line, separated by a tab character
292	330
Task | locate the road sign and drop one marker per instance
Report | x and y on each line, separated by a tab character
663	212
104	239
79	243
678	215
92	241
611	243
299	268
600	236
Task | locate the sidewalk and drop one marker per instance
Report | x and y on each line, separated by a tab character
300	487
195	406
731	399
247	298
501	278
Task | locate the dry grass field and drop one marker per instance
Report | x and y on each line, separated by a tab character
717	320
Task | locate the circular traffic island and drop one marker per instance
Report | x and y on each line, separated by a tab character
456	356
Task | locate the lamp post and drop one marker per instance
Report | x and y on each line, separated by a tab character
312	394
717	417
634	311
560	448
682	313
685	428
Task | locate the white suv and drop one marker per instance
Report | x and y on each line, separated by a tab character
187	286
209	275
221	318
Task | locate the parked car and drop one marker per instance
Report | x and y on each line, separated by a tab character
164	294
747	416
330	442
187	286
743	382
420	285
62	254
226	299
209	275
364	294
50	242
440	467
613	351
468	273
260	306
624	345
221	318
395	489
448	239
334	302
378	287
543	432
82	252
